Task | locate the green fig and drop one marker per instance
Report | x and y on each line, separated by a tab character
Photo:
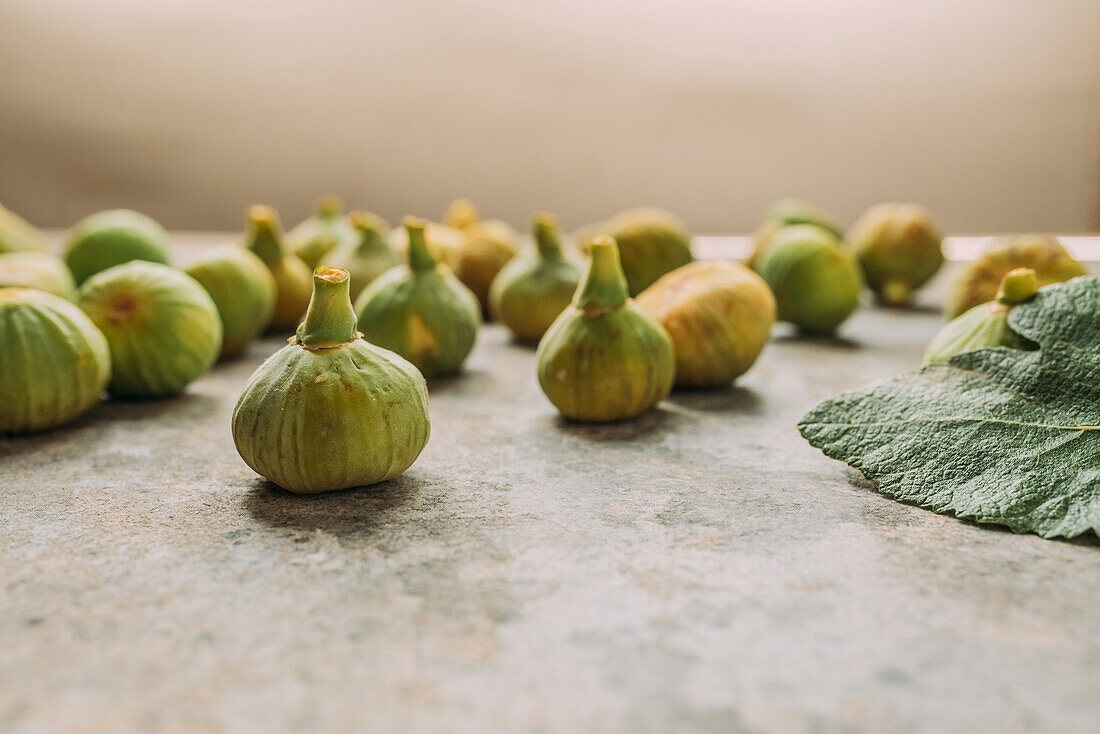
651	243
604	359
787	212
264	238
111	238
17	234
163	329
41	270
368	255
719	315
330	410
532	290
986	325
461	214
320	234
243	289
979	281
55	362
899	247
815	279
420	310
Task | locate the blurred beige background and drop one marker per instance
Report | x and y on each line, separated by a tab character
988	111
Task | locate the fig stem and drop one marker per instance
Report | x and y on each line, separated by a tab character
546	237
420	258
603	287
330	206
330	320
265	236
1018	286
368	231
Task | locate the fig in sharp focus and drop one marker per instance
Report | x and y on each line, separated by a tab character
162	328
986	325
791	211
264	238
719	315
243	289
330	410
979	281
899	247
111	238
534	288
420	310
651	243
55	362
326	230
815	279
604	359
41	270
17	234
368	255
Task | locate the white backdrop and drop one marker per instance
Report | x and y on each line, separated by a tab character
988	111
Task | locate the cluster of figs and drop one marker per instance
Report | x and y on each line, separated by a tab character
621	313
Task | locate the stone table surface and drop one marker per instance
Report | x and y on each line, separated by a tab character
700	569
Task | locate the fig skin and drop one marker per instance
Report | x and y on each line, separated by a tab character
56	363
368	255
899	247
719	315
815	279
293	286
421	310
788	212
330	410
322	233
651	243
243	289
986	325
19	235
41	270
162	328
113	237
979	281
533	289
604	359
487	247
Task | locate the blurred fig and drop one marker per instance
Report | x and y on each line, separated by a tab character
899	247
264	238
41	270
986	325
651	242
111	238
367	256
326	230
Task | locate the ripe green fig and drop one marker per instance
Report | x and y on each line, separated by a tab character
243	289
787	212
163	329
986	325
899	247
651	243
604	359
320	234
330	410
719	315
41	270
488	246
17	234
533	289
111	238
368	255
420	310
815	279
55	362
264	238
979	281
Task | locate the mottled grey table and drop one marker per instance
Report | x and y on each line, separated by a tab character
701	569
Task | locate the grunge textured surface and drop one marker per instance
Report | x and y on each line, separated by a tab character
701	569
999	435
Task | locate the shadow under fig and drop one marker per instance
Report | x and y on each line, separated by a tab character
358	510
729	398
653	422
818	340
